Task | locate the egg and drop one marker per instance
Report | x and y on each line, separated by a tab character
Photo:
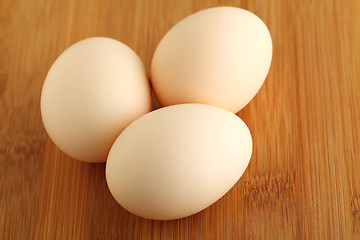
218	56
94	89
177	160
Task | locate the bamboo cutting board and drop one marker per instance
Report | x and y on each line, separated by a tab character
302	181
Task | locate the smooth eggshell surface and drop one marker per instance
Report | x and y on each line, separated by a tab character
219	56
92	92
178	160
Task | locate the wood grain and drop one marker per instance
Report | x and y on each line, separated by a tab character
302	181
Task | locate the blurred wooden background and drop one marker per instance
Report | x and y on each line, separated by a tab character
303	181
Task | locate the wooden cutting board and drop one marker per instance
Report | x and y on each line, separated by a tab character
303	180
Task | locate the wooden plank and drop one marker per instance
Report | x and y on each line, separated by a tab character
302	180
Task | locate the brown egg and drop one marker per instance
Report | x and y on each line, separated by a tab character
92	92
219	56
177	160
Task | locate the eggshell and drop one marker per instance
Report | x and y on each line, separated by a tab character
178	160
92	92
219	56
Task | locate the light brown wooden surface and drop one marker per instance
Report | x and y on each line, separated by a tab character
303	180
